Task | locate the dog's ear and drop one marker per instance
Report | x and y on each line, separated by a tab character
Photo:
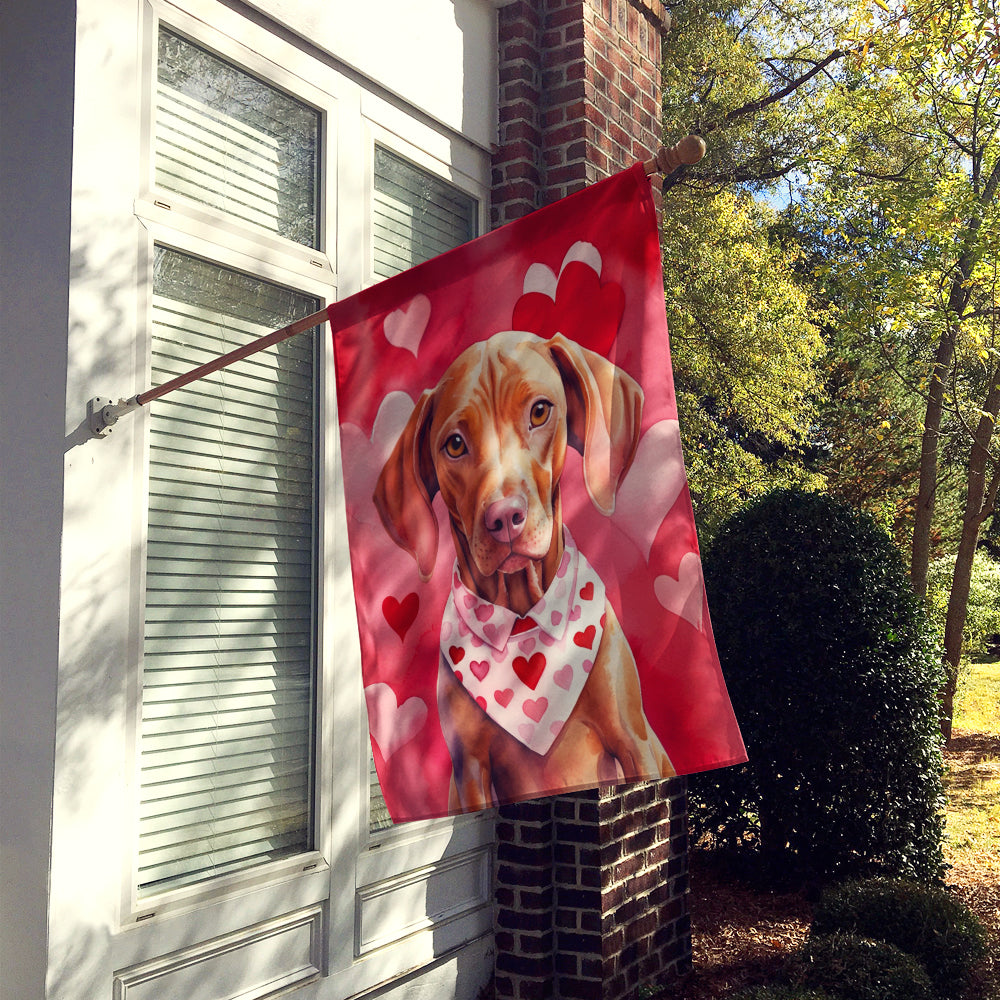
603	419
406	487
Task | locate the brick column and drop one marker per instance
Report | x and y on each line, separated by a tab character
591	889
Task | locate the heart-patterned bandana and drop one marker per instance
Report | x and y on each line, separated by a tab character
527	673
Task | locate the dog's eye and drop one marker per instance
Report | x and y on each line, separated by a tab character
454	446
539	412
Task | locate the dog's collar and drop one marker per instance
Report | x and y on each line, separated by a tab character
528	678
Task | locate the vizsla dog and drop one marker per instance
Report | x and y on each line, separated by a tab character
537	689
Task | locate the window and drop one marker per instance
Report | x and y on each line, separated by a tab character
227	140
229	646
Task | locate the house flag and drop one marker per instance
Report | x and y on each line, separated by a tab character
528	586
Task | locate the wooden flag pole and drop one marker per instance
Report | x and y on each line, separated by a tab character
103	413
687	152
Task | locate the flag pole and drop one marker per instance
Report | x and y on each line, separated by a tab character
687	152
103	413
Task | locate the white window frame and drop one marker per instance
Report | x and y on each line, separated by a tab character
351	873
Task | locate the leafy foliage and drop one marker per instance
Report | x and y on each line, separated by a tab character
924	921
983	615
746	353
857	968
833	672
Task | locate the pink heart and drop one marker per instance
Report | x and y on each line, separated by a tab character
535	708
484	612
405	327
491	632
526	645
564	677
574	615
685	595
390	723
366	455
556	728
503	697
480	668
547	640
587	665
469	600
526	731
652	485
556	617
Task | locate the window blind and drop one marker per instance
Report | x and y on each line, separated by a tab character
228	654
416	216
225	139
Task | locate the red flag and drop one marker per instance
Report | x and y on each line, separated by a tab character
526	571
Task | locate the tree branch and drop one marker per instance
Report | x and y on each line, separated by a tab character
754	106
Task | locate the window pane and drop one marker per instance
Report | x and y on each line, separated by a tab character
416	216
228	657
228	140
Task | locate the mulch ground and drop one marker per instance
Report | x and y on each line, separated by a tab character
742	935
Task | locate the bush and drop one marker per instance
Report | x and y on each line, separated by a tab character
856	968
925	922
833	672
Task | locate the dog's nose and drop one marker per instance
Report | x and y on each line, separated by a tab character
505	518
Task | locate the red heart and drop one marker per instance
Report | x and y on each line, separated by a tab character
587	594
400	614
585	639
481	702
456	653
530	671
533	312
588	312
583	310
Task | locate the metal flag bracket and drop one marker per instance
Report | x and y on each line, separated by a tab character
103	413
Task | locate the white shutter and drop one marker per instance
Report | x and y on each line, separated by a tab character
228	659
416	216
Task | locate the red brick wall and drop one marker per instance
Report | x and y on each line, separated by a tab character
591	889
579	96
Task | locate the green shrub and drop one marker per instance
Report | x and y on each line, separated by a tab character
856	968
833	672
926	922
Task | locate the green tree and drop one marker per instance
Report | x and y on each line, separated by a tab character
911	187
746	354
748	357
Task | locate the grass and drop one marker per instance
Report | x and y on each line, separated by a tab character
978	698
973	782
972	848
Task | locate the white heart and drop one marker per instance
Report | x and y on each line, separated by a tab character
684	596
539	278
585	253
391	724
405	327
365	456
652	485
